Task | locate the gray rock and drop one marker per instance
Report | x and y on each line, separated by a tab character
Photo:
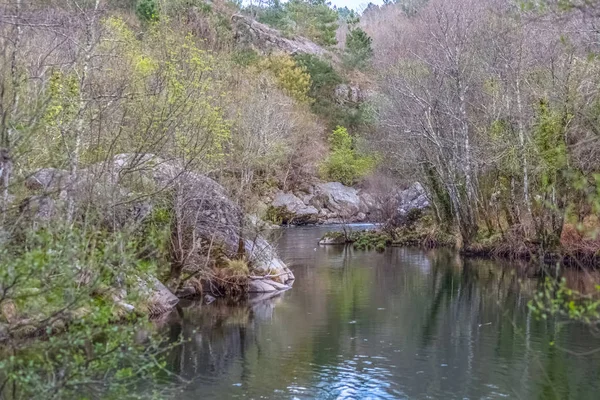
332	240
266	286
300	213
200	205
156	297
360	217
338	198
250	33
349	94
415	197
260	286
265	261
368	203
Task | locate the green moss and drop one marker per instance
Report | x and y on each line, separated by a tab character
277	215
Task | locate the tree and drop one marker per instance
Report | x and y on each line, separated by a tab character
358	49
344	164
314	19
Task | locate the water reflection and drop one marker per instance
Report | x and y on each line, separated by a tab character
404	323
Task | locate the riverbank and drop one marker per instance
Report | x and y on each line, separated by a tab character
574	250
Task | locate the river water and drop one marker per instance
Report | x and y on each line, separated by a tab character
402	324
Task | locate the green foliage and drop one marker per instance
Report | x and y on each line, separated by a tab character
555	299
361	240
358	50
344	164
367	240
291	77
147	10
276	16
182	116
71	287
323	77
348	15
238	268
323	81
313	19
440	195
245	57
549	140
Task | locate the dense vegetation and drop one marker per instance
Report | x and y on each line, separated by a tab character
492	105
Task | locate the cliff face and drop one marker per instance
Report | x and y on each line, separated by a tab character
266	40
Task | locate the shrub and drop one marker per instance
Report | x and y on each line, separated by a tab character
75	288
147	10
292	78
344	164
358	49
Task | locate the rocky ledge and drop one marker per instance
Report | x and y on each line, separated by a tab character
202	211
265	40
335	203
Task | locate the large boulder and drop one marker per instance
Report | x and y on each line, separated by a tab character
336	197
349	94
415	197
265	40
296	211
206	219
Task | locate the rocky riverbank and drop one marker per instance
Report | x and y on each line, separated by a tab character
335	203
215	248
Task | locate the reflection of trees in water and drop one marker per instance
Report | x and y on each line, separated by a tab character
469	296
216	336
469	313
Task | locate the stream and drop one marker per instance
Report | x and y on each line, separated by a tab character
402	324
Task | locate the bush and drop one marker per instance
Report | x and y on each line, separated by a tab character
292	78
344	164
147	10
358	49
74	288
323	81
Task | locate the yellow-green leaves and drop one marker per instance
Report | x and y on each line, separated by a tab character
344	164
173	105
291	78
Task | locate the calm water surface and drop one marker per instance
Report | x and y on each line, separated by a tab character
403	324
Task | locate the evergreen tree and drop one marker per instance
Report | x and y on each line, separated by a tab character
358	49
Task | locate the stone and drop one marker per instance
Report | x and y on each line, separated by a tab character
201	205
266	286
368	204
298	213
249	33
360	217
209	299
415	197
349	94
159	299
338	198
265	261
260	286
332	240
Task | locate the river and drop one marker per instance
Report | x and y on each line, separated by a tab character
402	324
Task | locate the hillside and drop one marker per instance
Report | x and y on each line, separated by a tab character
150	148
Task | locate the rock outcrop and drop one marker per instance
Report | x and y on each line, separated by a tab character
335	203
350	94
293	210
204	215
336	197
265	40
415	197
